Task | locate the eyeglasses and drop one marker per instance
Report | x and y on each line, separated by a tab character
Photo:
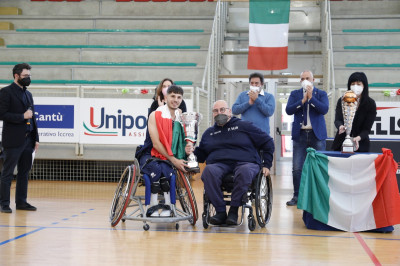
221	110
26	76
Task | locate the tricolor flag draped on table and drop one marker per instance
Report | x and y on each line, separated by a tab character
171	134
353	194
268	34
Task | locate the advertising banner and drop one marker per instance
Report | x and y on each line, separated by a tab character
113	121
57	119
387	122
92	120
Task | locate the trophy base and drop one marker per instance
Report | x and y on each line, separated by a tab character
193	169
348	145
346	149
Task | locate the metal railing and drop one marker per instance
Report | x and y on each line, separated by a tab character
210	77
328	65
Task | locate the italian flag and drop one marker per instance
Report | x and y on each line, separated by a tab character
268	34
353	194
170	133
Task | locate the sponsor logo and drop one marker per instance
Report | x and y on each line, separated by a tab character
102	123
54	116
386	124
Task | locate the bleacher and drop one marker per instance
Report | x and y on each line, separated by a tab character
98	48
366	37
105	42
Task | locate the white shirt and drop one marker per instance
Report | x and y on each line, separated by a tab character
308	126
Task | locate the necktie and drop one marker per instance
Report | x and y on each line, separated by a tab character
25	99
27	105
305	107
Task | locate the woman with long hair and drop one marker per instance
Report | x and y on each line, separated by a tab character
363	119
159	96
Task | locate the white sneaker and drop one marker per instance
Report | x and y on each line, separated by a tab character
166	211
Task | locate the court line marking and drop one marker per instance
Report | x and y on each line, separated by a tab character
194	231
38	229
369	252
21	236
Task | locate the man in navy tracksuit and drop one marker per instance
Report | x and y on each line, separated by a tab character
231	145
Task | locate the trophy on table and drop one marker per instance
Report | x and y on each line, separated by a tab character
349	108
191	122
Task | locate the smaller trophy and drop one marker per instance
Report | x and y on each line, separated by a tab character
191	122
349	108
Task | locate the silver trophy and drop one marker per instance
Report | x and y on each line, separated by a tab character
349	108
191	122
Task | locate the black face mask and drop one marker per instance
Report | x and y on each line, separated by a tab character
25	82
221	119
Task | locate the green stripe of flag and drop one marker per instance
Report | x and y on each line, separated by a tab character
269	12
314	190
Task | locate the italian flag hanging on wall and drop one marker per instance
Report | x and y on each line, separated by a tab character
268	34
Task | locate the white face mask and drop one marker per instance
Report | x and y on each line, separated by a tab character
357	89
254	88
306	83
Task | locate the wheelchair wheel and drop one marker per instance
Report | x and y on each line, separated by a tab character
206	207
263	199
122	195
186	196
137	166
251	223
137	177
205	224
209	211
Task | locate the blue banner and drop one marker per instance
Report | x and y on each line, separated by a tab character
54	116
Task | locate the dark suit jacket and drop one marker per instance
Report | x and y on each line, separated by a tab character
12	109
319	106
362	124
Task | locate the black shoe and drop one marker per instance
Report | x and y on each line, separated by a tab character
151	210
232	216
6	209
218	219
26	207
292	202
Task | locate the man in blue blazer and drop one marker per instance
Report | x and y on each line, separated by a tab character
308	105
20	138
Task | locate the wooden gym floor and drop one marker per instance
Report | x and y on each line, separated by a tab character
71	227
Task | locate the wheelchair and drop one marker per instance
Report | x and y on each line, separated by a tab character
128	204
259	193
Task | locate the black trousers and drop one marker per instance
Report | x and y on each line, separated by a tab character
22	158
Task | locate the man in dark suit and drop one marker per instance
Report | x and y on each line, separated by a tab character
308	105
20	138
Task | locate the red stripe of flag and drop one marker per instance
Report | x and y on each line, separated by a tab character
271	58
386	204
